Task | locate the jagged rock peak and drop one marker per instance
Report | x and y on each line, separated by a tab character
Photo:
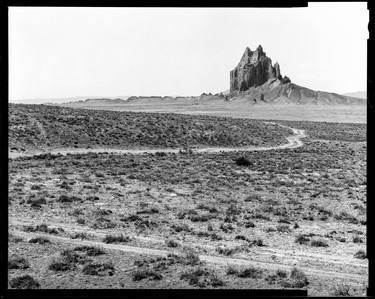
254	69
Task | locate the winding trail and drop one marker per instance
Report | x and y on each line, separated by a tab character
212	259
294	141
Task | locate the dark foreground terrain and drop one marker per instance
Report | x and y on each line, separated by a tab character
291	218
34	127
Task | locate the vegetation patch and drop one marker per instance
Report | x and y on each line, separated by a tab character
24	282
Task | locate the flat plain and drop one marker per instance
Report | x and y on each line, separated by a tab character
319	113
277	218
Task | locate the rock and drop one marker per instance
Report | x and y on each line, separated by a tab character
254	69
285	80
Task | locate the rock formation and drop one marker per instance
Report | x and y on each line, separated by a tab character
254	69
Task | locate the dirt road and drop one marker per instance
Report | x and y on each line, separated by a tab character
294	141
357	270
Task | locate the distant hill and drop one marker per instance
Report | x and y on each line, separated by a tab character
357	94
256	80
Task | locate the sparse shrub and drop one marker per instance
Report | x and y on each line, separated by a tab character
40	240
61	266
226	227
146	273
242	161
253	197
18	262
360	254
65	198
283	229
192	258
200	218
298	278
249	272
202	278
36	202
302	239
71	257
43	228
357	239
80	235
270	229
257	242
90	250
171	243
81	220
318	243
24	282
295	226
226	251
101	269
240	237
116	239
249	224
342	291
277	277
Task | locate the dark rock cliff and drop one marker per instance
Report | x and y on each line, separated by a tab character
254	69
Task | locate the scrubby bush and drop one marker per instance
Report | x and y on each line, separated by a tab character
171	243
90	250
146	273
100	269
18	262
360	254
116	239
242	161
40	240
24	282
318	243
302	239
202	278
283	228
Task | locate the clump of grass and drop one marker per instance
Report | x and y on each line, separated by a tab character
202	278
242	161
146	273
283	228
360	254
297	279
318	243
357	239
302	239
42	228
171	243
36	202
249	272
277	277
71	256
116	239
61	266
227	251
342	291
90	250
80	235
101	269
18	262
81	220
191	258
40	240
24	282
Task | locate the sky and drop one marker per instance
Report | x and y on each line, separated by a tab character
62	52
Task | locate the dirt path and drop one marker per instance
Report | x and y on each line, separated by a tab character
294	141
286	259
206	258
294	255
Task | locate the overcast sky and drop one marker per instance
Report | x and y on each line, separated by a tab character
67	52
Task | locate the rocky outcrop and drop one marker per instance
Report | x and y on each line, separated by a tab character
254	69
